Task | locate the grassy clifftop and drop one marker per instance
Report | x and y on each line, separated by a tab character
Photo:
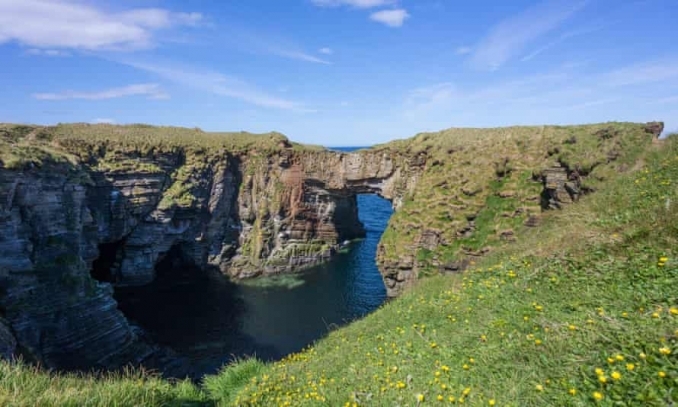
25	144
481	188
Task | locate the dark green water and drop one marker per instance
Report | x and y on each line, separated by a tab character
210	320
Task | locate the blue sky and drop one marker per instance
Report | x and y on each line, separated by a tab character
339	72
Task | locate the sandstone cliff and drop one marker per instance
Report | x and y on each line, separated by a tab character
84	208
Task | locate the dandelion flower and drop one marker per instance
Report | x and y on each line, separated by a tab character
492	402
665	351
661	374
630	366
673	311
602	379
420	397
619	357
599	371
642	355
572	392
572	328
539	387
615	375
597	395
440	397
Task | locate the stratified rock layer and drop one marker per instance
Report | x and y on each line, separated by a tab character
86	208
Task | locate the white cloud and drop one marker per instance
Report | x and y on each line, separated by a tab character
150	90
353	3
326	51
463	50
512	35
103	121
216	83
391	18
53	24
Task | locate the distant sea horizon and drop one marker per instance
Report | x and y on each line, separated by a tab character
346	148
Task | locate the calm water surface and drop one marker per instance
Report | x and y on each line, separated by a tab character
210	320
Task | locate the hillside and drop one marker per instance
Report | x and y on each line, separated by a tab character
581	309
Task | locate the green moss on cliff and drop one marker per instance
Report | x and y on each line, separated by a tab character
478	187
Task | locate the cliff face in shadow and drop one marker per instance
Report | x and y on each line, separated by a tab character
85	208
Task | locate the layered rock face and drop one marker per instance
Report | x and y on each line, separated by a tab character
76	225
86	208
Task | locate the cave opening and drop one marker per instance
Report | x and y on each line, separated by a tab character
210	320
104	266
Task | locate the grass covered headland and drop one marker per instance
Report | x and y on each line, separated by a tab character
582	310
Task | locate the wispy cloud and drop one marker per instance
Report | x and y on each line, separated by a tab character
326	51
260	42
150	90
55	24
300	56
391	18
511	36
48	52
463	50
353	3
647	72
215	83
551	97
565	36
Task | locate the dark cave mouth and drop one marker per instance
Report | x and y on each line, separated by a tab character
109	258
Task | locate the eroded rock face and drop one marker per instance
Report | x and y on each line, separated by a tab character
71	232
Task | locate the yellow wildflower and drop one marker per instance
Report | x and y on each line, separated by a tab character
642	355
597	395
420	397
572	392
440	397
619	357
630	366
615	375
492	402
661	374
572	328
599	371
665	351
539	387
602	379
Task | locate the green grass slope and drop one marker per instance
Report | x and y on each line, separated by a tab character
582	311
